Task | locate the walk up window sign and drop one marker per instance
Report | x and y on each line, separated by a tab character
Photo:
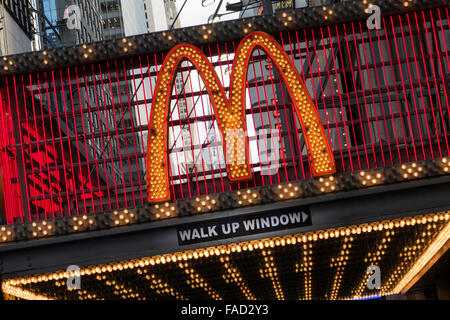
231	227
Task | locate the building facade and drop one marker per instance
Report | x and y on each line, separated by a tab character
17	27
68	22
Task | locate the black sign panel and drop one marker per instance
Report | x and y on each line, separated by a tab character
244	225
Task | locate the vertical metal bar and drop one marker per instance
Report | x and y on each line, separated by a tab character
260	111
85	143
279	124
341	103
92	135
108	68
365	100
53	146
356	95
389	98
207	133
215	119
381	98
330	83
438	52
109	135
15	114
76	138
267	108
412	90
396	92
100	125
46	149
348	101
405	97
29	140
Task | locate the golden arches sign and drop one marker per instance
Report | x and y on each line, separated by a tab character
230	113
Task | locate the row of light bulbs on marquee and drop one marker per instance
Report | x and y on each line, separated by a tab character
232	275
387	228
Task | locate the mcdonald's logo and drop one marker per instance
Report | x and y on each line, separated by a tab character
230	112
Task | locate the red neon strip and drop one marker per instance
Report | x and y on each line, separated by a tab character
124	126
381	100
101	134
53	142
92	135
215	136
270	65
396	91
349	103
356	95
55	155
109	134
117	135
404	94
117	131
76	137
420	87
320	82
14	206
436	84
190	133
390	102
365	99
341	103
260	112
132	122
436	41
143	198
245	113
182	139
46	154
36	128
429	90
221	76
223	85
85	143
5	172
268	111
175	142
30	140
61	144
152	92
332	100
295	119
27	195
297	129
198	133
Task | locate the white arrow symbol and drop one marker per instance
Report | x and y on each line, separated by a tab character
304	216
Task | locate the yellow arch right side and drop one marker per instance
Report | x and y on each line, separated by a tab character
319	151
